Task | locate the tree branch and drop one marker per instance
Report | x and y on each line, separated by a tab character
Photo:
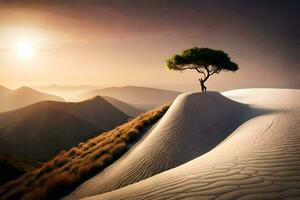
206	75
186	67
212	72
207	71
201	72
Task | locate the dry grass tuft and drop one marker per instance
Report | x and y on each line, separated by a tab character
133	133
70	168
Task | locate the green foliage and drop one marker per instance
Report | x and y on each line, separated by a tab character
204	60
196	57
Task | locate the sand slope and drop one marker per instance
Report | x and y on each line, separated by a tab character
259	160
193	125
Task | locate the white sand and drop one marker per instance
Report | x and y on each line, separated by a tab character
192	126
259	160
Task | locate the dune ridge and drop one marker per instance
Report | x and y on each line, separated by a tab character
193	125
259	160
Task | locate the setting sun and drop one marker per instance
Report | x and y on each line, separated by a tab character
24	49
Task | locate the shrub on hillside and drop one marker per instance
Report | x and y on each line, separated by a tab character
132	134
118	150
70	168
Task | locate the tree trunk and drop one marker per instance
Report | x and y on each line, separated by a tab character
206	76
203	88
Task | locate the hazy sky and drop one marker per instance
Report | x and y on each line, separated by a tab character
126	42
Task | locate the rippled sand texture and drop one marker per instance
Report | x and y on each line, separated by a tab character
192	126
259	160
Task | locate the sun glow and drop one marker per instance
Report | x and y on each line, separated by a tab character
24	49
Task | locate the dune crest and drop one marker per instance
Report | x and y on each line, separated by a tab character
194	124
259	160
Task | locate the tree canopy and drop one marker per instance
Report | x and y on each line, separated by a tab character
204	60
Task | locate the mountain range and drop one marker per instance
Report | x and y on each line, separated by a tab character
23	96
124	107
140	97
41	130
65	91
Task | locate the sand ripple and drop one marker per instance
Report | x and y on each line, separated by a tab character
259	160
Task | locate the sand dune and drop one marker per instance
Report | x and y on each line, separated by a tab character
259	160
193	125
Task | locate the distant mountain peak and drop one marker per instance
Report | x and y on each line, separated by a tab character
5	89
63	124
97	98
139	87
2	87
23	96
143	98
25	89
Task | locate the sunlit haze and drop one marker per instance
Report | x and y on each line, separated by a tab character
116	44
24	49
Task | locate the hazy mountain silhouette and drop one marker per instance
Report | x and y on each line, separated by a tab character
24	96
139	97
4	90
124	107
65	91
41	130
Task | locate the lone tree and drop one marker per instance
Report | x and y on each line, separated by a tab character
204	60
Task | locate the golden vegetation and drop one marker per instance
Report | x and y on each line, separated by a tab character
69	168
